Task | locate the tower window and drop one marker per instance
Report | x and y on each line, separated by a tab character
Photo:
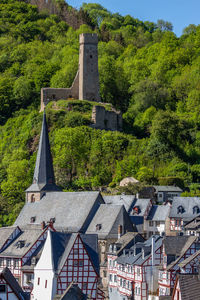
32	198
91	56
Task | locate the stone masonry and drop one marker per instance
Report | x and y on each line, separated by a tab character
104	119
86	82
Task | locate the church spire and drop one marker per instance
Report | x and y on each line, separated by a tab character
43	179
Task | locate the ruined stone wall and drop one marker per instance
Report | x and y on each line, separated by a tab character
53	94
104	119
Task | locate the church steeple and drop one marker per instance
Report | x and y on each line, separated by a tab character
43	179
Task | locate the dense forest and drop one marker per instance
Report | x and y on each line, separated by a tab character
147	72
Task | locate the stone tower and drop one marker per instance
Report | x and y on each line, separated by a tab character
88	67
86	82
43	179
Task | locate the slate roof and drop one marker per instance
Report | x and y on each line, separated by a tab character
159	212
109	217
194	224
189	259
188	203
176	246
12	282
138	259
128	240
72	211
62	244
5	233
189	286
43	178
167	188
73	292
29	234
126	200
142	204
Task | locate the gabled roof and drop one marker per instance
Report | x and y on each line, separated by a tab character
188	204
167	188
24	241
62	243
177	246
109	217
126	200
43	178
189	286
72	211
5	233
159	212
189	259
194	224
127	240
73	292
139	259
14	285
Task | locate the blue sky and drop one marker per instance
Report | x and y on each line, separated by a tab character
180	13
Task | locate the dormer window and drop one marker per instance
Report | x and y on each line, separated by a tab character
98	227
33	219
136	210
195	209
32	198
20	244
180	209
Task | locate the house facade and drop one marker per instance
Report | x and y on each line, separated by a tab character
67	258
134	273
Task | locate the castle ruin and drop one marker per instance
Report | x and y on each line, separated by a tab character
86	86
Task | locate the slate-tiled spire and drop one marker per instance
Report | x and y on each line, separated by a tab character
43	179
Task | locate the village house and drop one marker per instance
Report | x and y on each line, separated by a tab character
187	286
166	193
19	251
193	227
157	221
10	288
73	292
134	274
176	249
183	210
67	258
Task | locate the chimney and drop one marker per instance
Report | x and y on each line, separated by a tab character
43	225
153	250
119	231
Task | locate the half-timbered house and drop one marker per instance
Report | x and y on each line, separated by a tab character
134	273
10	288
67	258
187	286
193	227
183	210
176	249
19	250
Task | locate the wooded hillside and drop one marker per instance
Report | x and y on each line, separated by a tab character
145	70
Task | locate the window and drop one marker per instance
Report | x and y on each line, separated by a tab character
28	278
104	273
8	262
38	281
150	223
157	223
115	278
33	219
75	263
110	277
80	263
45	284
98	227
84	286
195	209
180	209
75	251
124	283
2	288
138	271
1	262
32	198
16	263
120	281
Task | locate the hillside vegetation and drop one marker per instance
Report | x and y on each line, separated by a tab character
145	70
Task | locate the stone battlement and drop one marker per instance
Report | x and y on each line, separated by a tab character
88	38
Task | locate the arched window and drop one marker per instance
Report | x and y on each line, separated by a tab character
180	209
195	209
32	198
